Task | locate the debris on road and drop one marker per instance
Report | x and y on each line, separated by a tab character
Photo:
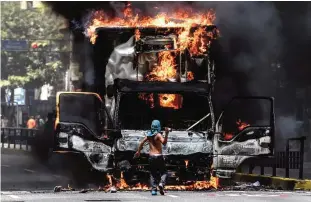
60	188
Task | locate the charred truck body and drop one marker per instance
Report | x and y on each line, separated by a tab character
142	74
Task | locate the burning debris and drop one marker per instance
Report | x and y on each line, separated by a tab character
189	186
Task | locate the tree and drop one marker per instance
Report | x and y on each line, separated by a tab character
48	56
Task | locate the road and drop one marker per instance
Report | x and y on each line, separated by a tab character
247	196
23	178
21	171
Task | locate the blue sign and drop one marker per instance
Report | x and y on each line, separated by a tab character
19	96
14	45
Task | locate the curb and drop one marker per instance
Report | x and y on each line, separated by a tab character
275	182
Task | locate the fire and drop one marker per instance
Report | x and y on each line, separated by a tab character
122	184
128	12
197	185
200	42
165	70
137	34
196	41
148	98
170	100
183	19
186	163
190	76
242	125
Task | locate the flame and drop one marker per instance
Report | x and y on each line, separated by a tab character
199	42
190	76
137	34
165	69
109	179
128	12
242	125
197	185
170	100
148	98
228	136
183	19
186	163
122	184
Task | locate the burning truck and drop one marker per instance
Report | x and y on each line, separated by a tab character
161	68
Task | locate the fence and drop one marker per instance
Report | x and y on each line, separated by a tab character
284	159
18	138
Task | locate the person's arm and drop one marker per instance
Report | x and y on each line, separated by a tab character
164	140
140	147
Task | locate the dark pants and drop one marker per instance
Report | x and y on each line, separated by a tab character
157	171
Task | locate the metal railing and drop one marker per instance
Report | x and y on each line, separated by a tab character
17	138
284	159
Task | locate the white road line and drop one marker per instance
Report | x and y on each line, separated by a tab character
15	192
14	196
173	196
6	166
232	195
28	170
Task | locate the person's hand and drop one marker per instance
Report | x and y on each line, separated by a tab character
136	155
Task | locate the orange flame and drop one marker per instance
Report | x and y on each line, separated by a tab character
170	100
242	125
122	184
198	185
186	163
190	76
164	71
128	12
179	18
137	34
166	68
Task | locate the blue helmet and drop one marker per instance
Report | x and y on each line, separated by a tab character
155	128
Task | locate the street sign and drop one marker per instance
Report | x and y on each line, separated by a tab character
14	45
19	96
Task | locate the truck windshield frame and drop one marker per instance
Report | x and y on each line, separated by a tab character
135	113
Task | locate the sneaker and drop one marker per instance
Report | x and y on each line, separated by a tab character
153	192
161	187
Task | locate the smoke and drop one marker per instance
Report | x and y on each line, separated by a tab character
308	21
286	127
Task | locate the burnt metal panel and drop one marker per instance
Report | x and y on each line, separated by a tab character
124	85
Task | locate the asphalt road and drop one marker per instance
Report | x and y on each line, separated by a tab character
170	196
21	171
24	178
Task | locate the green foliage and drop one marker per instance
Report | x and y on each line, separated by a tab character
45	63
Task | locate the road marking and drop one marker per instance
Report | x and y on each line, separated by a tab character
232	195
173	196
14	196
6	166
28	170
15	192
